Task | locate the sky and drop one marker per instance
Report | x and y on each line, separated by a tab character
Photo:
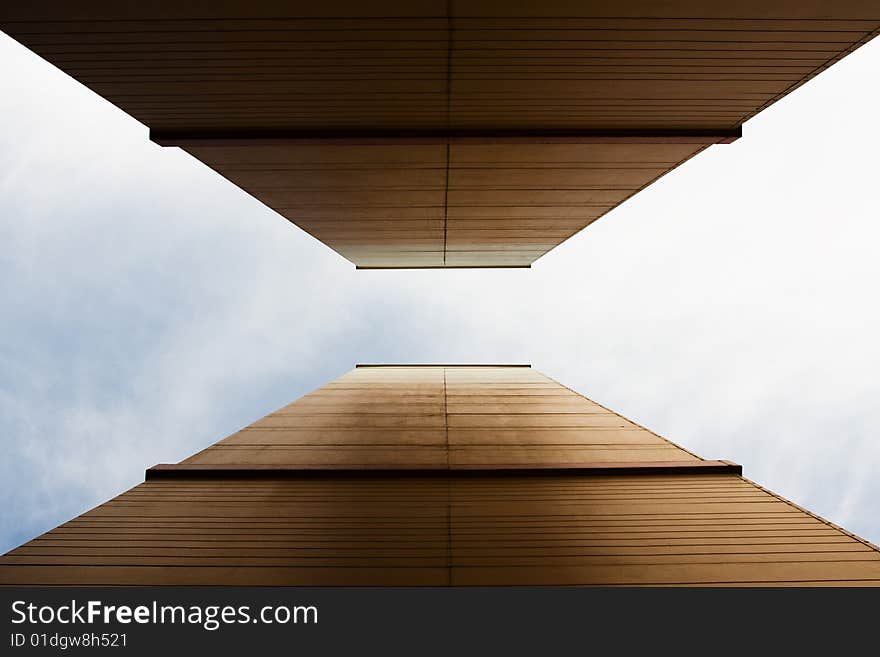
149	308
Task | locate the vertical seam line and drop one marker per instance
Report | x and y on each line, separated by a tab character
445	418
448	487
448	123
446	204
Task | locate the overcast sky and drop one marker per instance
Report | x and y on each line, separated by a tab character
149	308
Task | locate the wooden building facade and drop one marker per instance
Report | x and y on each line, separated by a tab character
445	475
442	133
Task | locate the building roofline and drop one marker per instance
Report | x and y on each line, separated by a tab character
392	267
442	365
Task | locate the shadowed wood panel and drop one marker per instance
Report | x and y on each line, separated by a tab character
440	417
364	202
370	74
426	205
546	424
439	65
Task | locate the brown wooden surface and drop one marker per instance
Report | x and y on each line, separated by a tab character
436	416
485	530
432	205
494	497
236	68
440	65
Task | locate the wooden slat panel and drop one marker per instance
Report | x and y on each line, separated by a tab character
377	455
488	67
194	575
465	416
625	530
339	182
568	528
477	528
536	456
565	436
539	420
337	437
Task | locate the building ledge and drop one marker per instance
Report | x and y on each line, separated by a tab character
633	468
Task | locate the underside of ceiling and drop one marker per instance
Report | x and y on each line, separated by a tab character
442	134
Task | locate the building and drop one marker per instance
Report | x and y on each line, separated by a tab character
445	475
438	133
444	133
